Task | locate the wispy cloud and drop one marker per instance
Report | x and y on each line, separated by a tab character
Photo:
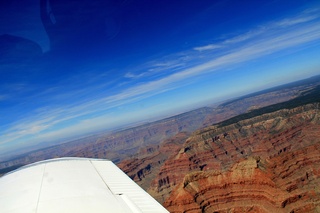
269	28
207	47
298	20
160	66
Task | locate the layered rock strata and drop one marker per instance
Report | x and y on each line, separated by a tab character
145	165
269	163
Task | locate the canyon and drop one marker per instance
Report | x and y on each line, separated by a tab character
268	163
266	160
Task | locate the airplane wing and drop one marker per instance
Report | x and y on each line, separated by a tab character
70	185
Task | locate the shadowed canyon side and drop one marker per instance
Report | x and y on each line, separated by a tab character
268	163
145	165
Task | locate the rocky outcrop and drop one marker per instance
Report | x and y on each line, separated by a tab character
268	163
247	187
145	165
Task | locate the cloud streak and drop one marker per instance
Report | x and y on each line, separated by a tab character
207	47
272	27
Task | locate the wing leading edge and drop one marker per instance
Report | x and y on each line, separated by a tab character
73	185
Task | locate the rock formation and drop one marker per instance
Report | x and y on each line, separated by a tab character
269	163
144	167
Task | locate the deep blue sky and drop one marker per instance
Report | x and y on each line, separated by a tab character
110	63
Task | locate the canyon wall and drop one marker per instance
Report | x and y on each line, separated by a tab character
269	163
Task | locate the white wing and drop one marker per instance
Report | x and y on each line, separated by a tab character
73	185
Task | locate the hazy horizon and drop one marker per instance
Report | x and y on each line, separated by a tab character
46	144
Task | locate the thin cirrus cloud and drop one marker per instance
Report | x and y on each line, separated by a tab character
264	40
180	60
290	22
166	64
304	17
207	47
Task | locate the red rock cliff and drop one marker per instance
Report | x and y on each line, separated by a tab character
269	163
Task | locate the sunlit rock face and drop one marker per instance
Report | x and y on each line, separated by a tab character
269	163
